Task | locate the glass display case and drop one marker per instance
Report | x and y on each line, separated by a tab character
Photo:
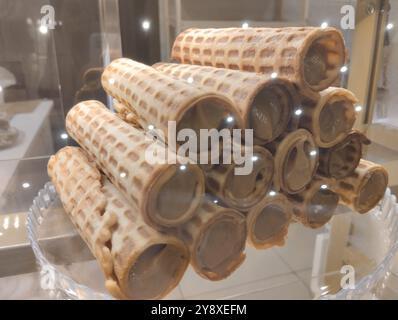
52	56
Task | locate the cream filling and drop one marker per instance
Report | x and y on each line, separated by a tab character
269	112
155	271
269	223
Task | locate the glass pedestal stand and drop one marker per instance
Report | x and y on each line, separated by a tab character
350	258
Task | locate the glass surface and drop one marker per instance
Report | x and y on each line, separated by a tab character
22	180
383	126
386	111
30	88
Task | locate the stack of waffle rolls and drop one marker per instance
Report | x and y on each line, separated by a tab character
306	157
310	57
138	261
166	195
268	221
265	104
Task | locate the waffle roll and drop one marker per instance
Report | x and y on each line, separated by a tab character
138	262
315	206
268	222
216	237
364	188
331	118
296	160
242	192
166	194
157	99
310	57
341	160
265	104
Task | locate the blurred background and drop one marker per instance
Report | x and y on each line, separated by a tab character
44	71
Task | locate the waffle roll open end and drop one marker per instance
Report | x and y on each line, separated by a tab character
242	192
216	237
138	261
331	118
315	206
309	56
119	150
296	160
268	222
364	188
342	159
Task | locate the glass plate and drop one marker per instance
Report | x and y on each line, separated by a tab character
68	269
